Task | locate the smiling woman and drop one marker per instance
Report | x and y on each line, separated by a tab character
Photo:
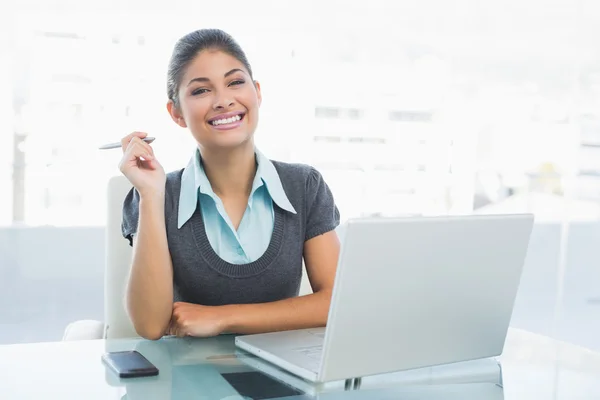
219	245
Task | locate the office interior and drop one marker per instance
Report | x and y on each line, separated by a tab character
407	109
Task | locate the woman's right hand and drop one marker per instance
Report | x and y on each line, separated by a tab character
140	166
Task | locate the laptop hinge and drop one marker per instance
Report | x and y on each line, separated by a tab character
352	384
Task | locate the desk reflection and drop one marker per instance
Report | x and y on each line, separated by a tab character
188	369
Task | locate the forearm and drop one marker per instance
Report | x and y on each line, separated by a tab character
150	288
294	313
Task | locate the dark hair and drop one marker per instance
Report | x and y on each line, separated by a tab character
193	43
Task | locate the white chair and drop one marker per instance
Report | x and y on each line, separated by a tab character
118	255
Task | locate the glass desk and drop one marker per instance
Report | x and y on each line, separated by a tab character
533	367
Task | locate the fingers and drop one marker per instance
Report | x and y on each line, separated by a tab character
177	330
179	324
138	154
169	329
140	148
174	327
125	141
136	151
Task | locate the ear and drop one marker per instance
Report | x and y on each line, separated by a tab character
258	92
176	114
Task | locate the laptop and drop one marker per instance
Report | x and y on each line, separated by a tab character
409	293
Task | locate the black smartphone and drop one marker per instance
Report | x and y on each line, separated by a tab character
129	364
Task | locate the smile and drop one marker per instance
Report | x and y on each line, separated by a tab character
227	121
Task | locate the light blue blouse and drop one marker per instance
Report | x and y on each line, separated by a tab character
251	239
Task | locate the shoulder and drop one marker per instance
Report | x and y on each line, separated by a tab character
131	204
318	205
172	188
296	173
303	181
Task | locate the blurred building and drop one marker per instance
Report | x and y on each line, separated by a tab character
398	126
385	149
588	173
67	101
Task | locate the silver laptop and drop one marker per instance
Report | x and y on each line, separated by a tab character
410	293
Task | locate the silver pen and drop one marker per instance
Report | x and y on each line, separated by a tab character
117	145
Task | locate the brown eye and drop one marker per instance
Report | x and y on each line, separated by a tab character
199	91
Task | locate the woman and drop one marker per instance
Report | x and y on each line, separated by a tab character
218	246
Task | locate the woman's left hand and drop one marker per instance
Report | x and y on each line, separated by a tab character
195	320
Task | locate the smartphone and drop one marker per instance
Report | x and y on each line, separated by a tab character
129	364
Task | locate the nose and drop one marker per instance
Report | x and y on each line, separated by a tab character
222	102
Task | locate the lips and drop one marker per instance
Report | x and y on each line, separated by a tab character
227	118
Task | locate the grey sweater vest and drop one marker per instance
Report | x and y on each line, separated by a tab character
200	276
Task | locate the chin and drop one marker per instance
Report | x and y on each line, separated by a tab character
231	140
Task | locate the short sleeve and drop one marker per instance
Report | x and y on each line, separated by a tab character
131	213
322	213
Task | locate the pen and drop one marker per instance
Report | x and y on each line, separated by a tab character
117	145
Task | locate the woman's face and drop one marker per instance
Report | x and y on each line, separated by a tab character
218	101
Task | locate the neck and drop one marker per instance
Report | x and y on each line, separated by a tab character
231	171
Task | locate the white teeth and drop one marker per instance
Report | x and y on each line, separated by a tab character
227	120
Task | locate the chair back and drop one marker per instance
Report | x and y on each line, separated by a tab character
117	263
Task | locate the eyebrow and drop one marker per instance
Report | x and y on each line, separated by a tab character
203	79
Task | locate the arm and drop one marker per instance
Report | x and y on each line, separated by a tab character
320	255
149	294
150	289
